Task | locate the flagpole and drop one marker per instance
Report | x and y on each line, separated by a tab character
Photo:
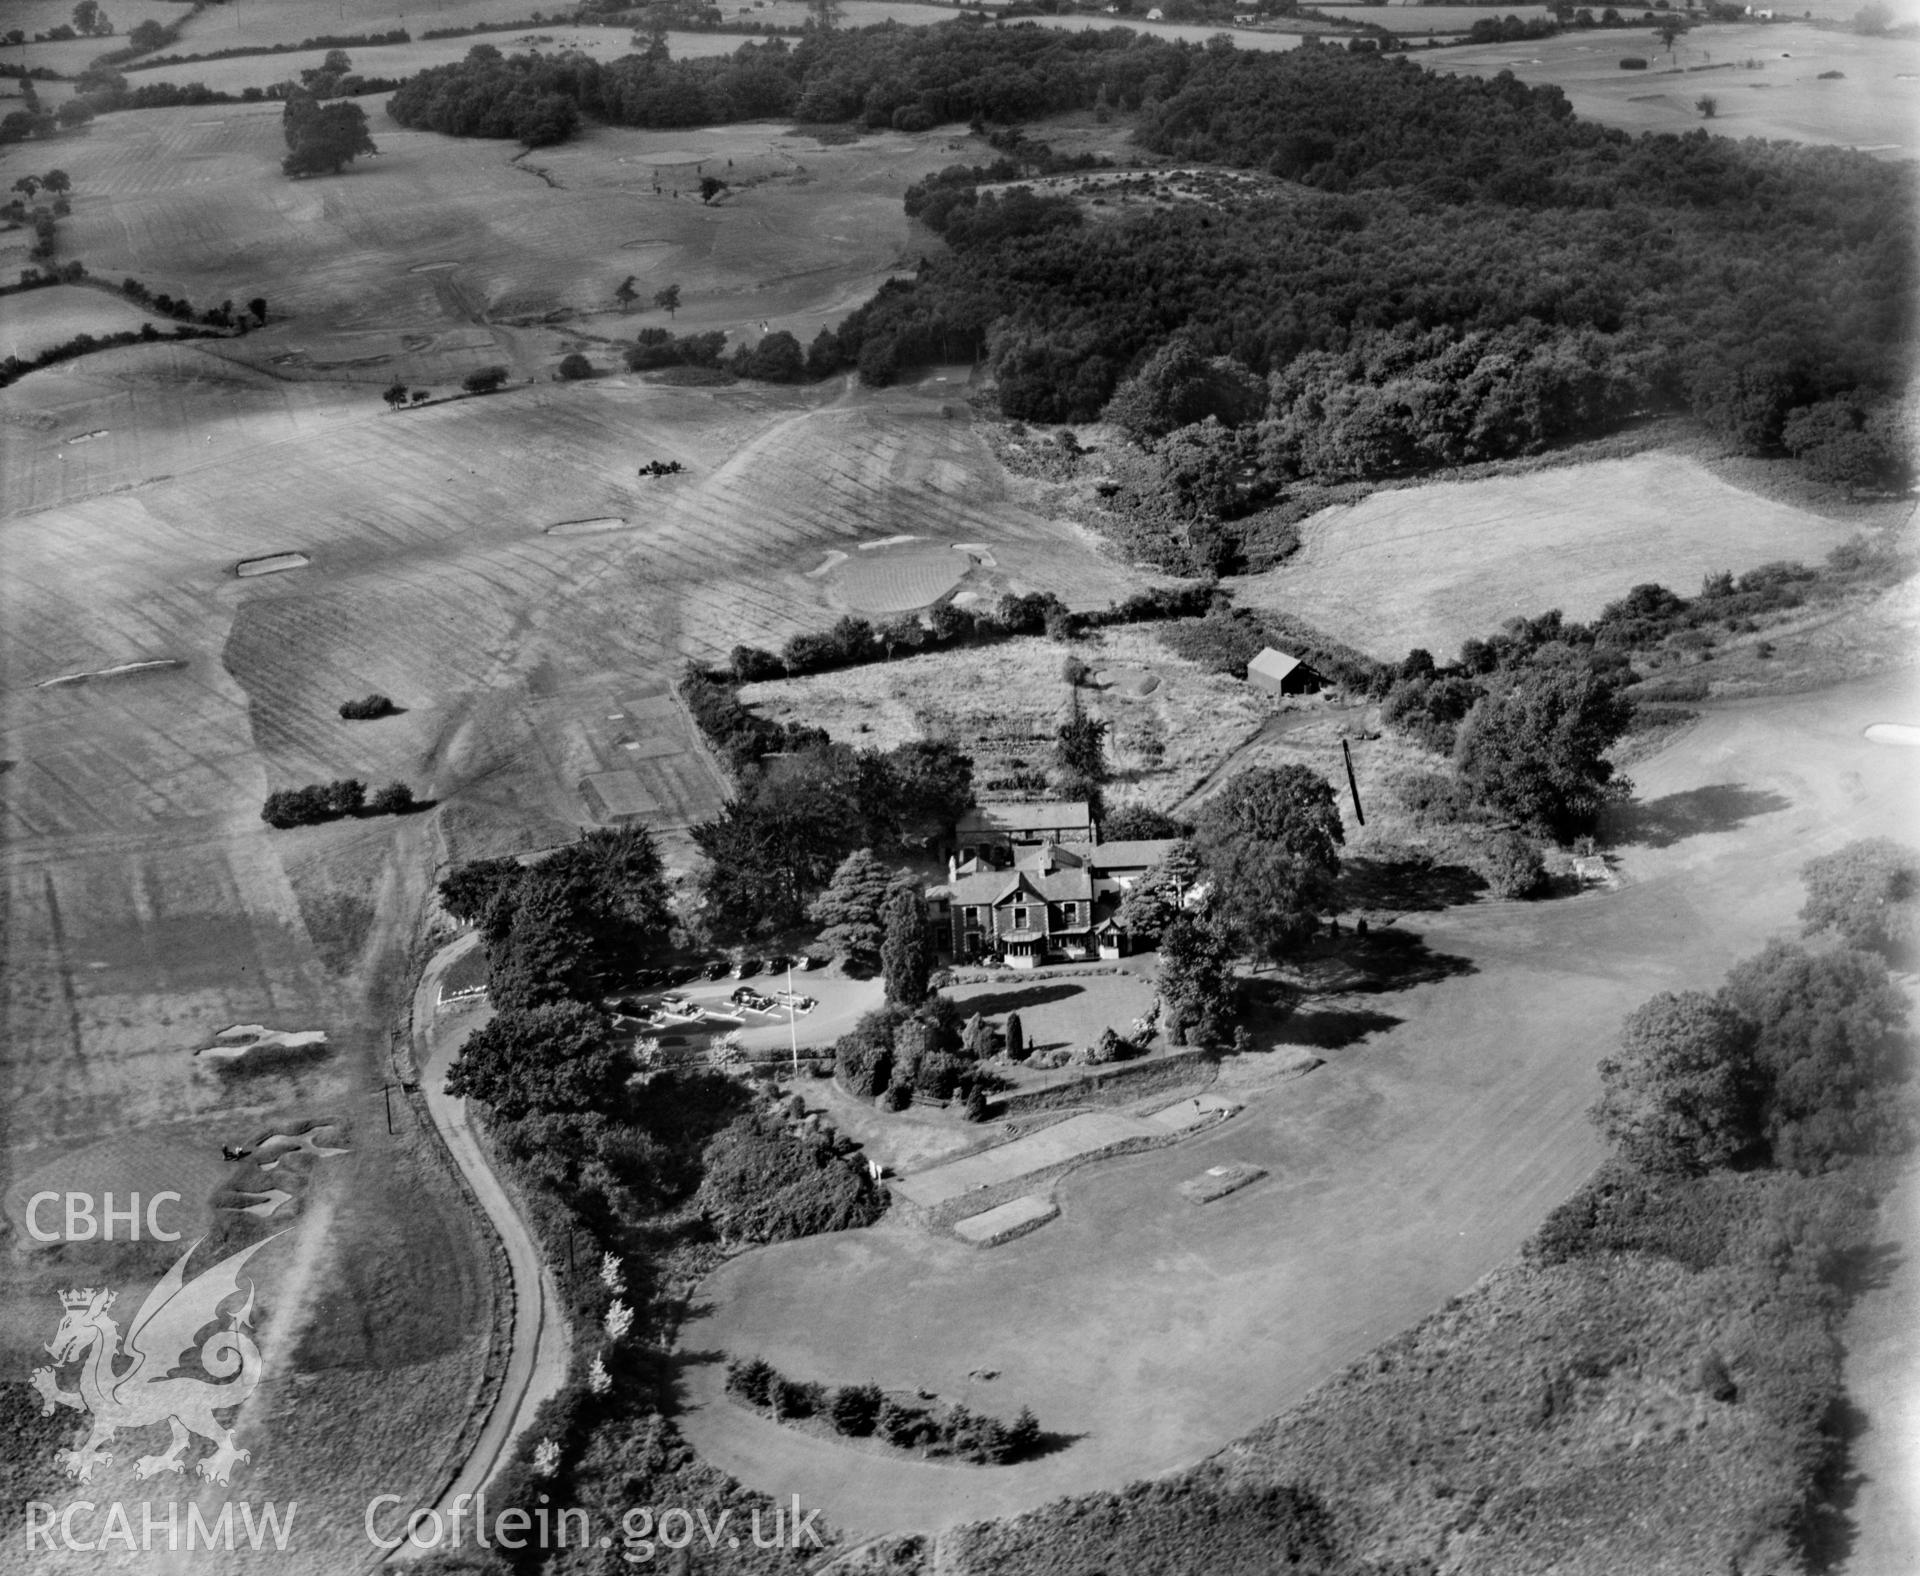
793	1022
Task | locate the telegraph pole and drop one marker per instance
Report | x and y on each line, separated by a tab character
1353	785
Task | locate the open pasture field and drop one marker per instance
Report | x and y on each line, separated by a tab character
1873	106
1437	1135
1002	703
1437	564
603	44
439	233
1420	19
40	319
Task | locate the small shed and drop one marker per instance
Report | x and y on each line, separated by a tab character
1282	673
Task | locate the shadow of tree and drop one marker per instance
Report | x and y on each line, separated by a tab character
1050	1443
1330	1028
1407	884
1719	807
1019	998
1383	960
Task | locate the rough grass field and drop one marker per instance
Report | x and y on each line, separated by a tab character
1764	78
1448	1118
40	319
1437	564
191	202
1002	703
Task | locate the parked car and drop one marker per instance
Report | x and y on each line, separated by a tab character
810	960
746	968
742	993
714	969
678	1006
777	964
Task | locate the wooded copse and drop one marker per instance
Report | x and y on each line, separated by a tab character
1478	273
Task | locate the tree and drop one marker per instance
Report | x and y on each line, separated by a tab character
1196	978
395	395
484	380
1016	1038
932	782
394	799
28	184
85	15
976	1039
1080	746
1132	822
1148	906
855	1407
557	1057
1708	106
777	358
906	953
1682	1094
258	307
1177	387
850	911
480	893
74	113
667	299
323	137
1868	893
147	37
1830	1046
1513	866
1534	746
1271	841
626	295
711	186
574	367
1023	1435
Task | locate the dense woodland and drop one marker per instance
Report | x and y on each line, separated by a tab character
1425	271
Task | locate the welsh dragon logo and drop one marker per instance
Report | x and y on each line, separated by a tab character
129	1383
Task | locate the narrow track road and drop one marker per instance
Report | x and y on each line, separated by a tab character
541	1341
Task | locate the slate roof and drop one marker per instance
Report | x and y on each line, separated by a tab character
1024	817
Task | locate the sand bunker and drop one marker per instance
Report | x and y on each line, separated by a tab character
886	541
321	1138
1219	1181
979	552
272	564
243	1039
605	522
900	579
1134	682
123	670
264	1203
1894	733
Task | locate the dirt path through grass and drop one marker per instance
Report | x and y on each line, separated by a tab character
1411	1164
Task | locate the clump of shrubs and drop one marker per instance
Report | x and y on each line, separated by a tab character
861	1411
1513	866
367	708
318	802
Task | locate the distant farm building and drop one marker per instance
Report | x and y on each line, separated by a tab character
986	832
1281	673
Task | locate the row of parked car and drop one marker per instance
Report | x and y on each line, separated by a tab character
723	968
